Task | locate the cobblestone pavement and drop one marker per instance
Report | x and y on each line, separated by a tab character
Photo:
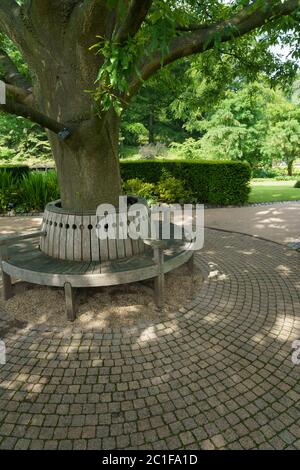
217	375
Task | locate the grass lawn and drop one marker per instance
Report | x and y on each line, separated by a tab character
272	191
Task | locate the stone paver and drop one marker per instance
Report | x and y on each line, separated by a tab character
217	375
279	222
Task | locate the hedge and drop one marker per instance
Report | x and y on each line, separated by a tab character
18	171
213	182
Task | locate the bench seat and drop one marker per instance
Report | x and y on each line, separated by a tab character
25	261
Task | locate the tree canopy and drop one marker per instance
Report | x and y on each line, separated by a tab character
74	66
136	38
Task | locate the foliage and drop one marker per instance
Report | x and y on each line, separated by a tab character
26	191
171	189
283	141
37	189
8	189
20	139
134	133
17	171
138	187
242	125
14	54
190	149
153	105
164	22
297	184
206	181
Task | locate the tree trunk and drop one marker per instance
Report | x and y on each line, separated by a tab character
151	137
64	71
88	166
290	168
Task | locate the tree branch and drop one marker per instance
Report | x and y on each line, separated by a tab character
137	12
192	27
19	109
247	20
10	20
21	95
11	72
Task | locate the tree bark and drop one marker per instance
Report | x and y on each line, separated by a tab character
88	166
64	71
151	137
290	168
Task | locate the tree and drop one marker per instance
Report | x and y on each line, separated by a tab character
283	142
77	93
235	129
152	106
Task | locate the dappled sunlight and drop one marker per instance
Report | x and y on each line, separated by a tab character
153	332
278	222
233	340
211	318
9	225
283	329
217	275
247	252
100	308
284	270
258	338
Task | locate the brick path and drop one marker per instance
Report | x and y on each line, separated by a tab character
218	375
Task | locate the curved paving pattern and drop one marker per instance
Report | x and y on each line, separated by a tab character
216	375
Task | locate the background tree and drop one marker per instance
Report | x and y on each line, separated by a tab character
78	93
282	142
237	127
246	125
153	106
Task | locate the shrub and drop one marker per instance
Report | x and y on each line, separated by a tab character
17	171
190	149
37	189
138	187
8	190
297	184
134	134
171	189
215	182
264	173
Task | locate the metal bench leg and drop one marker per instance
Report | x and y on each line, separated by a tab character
70	303
159	281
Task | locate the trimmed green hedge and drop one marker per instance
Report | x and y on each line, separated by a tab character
213	182
17	171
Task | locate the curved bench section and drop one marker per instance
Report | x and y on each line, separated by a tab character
27	262
32	265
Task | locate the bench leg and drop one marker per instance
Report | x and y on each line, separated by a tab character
6	279
7	286
70	303
159	290
159	281
190	265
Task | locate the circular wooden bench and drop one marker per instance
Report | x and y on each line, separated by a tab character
22	259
